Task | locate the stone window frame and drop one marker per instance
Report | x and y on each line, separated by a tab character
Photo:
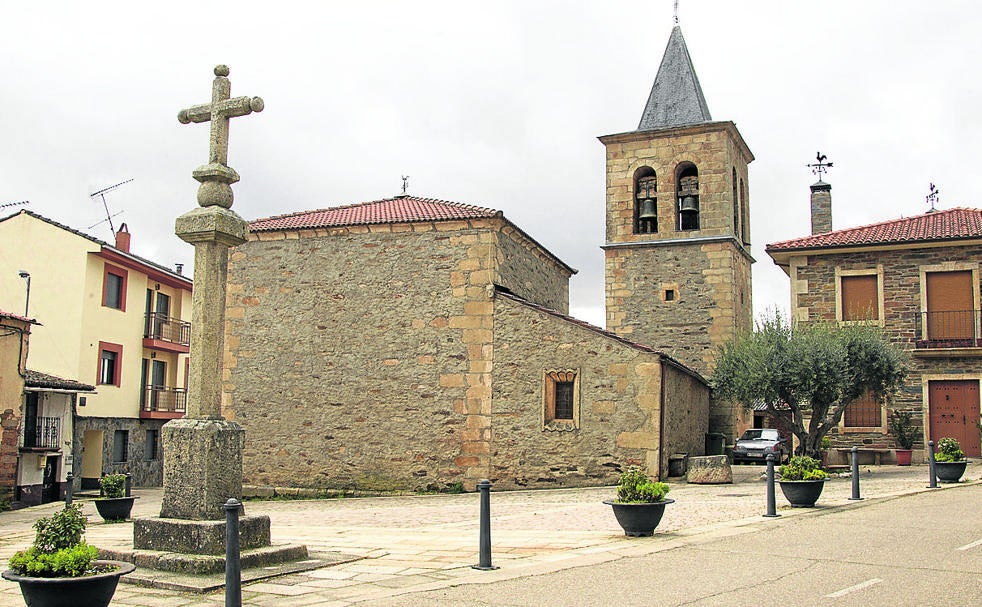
647	174
663	290
878	272
882	428
948	266
550	377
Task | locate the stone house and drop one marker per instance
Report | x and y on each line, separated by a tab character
36	429
918	278
412	343
111	318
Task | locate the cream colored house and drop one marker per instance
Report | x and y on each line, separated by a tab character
109	318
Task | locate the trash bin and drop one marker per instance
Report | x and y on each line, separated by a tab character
715	443
677	464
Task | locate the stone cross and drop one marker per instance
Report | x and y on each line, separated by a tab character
216	177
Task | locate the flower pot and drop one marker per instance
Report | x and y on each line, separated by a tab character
639	520
903	457
86	591
950	472
802	494
114	508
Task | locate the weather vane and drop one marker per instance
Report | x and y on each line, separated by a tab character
405	184
821	167
676	12
932	197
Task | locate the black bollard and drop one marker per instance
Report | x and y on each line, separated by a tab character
129	484
233	567
930	464
855	474
771	502
69	480
484	563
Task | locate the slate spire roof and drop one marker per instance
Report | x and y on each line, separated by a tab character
950	224
400	209
676	98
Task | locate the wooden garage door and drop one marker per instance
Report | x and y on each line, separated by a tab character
955	412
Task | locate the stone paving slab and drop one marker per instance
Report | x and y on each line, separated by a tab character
415	543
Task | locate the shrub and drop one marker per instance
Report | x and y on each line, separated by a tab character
949	451
636	488
58	550
113	485
903	429
802	468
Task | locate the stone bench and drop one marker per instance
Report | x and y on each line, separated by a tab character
877	454
709	470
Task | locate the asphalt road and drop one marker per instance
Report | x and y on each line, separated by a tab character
917	550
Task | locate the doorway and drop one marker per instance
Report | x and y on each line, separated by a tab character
91	459
954	408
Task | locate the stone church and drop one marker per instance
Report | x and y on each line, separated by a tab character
413	343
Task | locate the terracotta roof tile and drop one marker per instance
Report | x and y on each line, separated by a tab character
36	379
401	209
950	224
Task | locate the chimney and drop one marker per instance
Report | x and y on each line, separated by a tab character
123	239
179	268
821	208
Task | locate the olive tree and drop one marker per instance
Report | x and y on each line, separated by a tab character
807	370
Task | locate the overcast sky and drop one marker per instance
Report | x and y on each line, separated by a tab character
496	104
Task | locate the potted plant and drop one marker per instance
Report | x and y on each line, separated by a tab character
60	569
949	461
905	433
114	505
640	503
802	481
824	447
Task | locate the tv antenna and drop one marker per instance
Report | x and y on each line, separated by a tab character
14	204
109	216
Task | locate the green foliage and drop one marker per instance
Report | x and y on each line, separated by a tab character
949	451
63	529
4	504
58	550
826	443
636	488
67	562
807	370
113	485
454	488
903	429
802	468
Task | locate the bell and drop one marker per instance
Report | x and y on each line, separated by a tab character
689	205
648	210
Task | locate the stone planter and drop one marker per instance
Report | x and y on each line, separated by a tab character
903	457
802	494
639	520
950	472
86	591
114	508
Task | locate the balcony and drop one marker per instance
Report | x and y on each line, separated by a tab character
952	332
42	434
165	333
157	402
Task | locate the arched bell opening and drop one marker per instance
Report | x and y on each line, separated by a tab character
645	201
687	196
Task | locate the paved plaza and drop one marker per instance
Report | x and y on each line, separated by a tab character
394	546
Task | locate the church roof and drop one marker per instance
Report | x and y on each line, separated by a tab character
400	209
950	224
676	98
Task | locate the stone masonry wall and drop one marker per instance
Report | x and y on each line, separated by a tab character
530	274
619	402
146	472
814	298
361	357
686	414
13	359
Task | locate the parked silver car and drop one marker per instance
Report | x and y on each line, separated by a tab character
756	443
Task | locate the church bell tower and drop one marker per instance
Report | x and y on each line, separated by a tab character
678	225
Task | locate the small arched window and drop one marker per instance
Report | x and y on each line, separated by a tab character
736	207
645	201
745	212
687	196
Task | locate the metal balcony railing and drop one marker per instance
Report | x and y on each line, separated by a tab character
165	328
158	399
42	433
948	329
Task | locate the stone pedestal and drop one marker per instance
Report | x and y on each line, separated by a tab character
709	470
202	467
